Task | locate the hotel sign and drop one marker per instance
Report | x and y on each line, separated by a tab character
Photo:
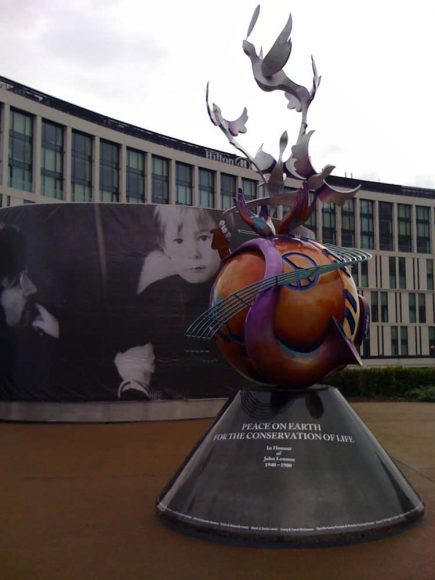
229	160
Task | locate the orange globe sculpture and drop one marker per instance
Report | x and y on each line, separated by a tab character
292	334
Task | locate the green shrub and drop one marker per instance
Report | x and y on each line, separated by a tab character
422	394
388	382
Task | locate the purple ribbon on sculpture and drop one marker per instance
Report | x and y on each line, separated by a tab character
263	346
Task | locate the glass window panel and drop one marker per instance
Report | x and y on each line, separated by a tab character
432	341
184	184
367	223
328	223
392	271
429	274
206	188
364	274
228	190
249	188
402	273
404	340
384	306
348	223
374	307
20	150
81	167
394	341
423	229
160	180
412	310
135	176
386	226
109	171
422	308
404	227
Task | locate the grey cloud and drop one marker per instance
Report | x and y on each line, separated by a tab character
92	38
77	33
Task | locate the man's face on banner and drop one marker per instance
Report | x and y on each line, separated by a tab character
188	245
14	297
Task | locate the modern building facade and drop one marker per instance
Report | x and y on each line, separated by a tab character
52	151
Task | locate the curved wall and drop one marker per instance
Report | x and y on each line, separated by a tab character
104	298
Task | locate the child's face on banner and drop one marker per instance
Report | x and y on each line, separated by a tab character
188	245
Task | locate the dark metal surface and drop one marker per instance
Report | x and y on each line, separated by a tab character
295	468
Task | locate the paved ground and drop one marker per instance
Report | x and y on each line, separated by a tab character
77	501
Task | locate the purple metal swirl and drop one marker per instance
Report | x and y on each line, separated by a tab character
271	358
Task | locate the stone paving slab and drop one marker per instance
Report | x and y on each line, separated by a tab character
77	501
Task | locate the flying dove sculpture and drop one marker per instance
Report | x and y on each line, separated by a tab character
269	75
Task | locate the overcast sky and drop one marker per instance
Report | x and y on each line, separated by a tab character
147	62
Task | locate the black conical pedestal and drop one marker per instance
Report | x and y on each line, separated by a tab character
291	467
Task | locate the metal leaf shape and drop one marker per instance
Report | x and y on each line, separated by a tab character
253	20
329	194
283	143
299	161
264	161
278	55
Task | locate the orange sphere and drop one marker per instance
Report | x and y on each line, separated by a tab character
300	335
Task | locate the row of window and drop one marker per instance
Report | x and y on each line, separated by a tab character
52	185
379	302
399	342
404	222
52	169
397	273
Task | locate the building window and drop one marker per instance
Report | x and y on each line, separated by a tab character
429	274
367	223
135	174
422	308
392	271
249	189
52	160
404	227
81	167
374	307
394	341
402	273
432	340
385	226
109	171
366	346
160	180
311	222
384	306
412	307
20	150
183	184
423	229
403	340
364	278
328	223
206	188
348	223
228	190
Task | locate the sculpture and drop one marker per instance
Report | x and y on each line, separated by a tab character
286	460
269	282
